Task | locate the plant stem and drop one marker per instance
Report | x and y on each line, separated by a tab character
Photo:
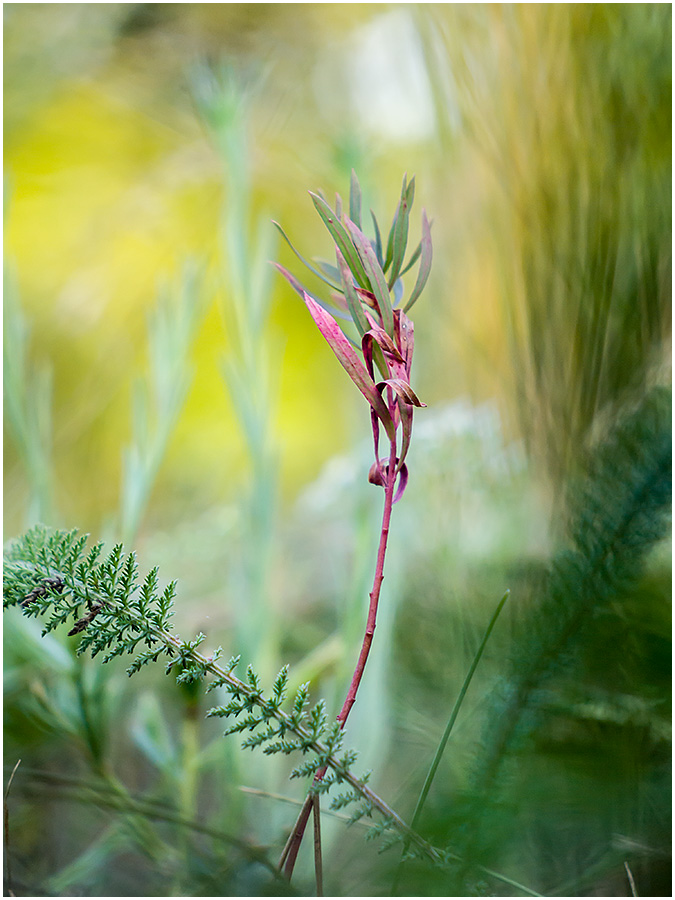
290	852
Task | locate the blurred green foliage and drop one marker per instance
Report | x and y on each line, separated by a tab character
540	138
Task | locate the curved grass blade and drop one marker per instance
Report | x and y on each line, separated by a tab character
425	262
448	728
326	280
341	238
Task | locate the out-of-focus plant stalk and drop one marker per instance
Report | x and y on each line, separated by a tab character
159	397
246	290
27	396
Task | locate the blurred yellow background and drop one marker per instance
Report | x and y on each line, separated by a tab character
112	182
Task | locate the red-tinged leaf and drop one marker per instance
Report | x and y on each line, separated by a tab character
402	482
375	275
376	474
302	259
400	231
351	363
379	472
341	238
291	279
394	365
355	200
404	391
338	205
378	337
425	263
302	290
407	398
369	299
404	336
352	297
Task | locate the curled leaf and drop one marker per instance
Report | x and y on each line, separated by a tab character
379	472
404	391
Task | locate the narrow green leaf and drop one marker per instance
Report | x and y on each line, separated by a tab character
378	240
355	200
411	262
341	238
425	263
302	259
378	283
353	301
400	231
390	239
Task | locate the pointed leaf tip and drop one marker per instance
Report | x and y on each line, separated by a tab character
425	262
349	360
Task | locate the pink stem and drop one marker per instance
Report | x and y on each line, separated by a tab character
290	853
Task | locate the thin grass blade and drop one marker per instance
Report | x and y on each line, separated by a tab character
448	728
302	259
